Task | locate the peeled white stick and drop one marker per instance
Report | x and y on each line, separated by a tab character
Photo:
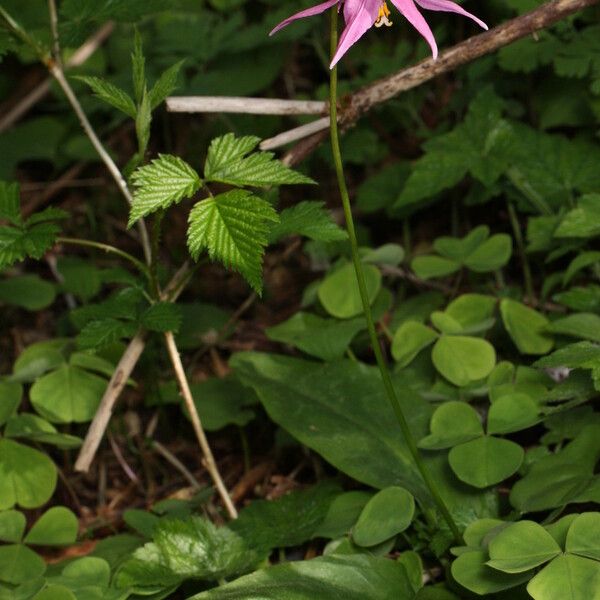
293	135
239	104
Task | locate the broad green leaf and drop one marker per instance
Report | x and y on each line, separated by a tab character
521	547
485	461
163	316
559	529
574	356
111	94
86	570
310	219
223	401
12	526
288	521
427	267
58	526
35	429
327	339
473	312
55	592
558	479
413	564
491	254
445	323
583	221
459	249
165	181
512	412
452	423
27	476
141	521
470	571
341	406
526	327
581	261
462	359
583	537
39	358
567	577
165	85
386	514
580	325
68	394
585	299
476	532
342	514
339	293
233	227
387	255
410	338
18	563
226	162
10	398
358	577
27	291
80	277
191	549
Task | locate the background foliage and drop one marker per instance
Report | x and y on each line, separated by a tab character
478	202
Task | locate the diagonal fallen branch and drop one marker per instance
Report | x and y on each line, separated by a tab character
357	104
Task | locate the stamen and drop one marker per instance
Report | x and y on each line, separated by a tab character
382	17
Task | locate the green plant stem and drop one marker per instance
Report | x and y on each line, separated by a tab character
385	375
516	227
139	265
154	249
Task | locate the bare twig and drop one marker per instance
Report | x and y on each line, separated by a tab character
360	102
115	386
56	53
293	135
174	461
238	104
209	459
60	78
34	96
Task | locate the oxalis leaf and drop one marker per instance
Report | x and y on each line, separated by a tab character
165	181
233	228
227	162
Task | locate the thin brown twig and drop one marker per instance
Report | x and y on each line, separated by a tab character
209	459
79	57
175	462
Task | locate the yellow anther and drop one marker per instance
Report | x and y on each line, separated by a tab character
382	17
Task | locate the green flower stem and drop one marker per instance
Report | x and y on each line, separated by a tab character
385	375
140	266
516	227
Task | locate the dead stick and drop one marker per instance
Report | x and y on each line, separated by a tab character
36	94
209	459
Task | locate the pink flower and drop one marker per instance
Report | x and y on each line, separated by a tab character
360	15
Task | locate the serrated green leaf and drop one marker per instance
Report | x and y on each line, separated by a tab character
111	94
226	162
309	219
164	316
191	549
17	244
165	85
102	332
233	228
165	181
138	68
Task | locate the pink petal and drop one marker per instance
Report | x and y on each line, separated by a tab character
447	6
363	15
412	14
309	12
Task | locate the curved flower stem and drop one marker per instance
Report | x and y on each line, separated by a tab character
381	363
